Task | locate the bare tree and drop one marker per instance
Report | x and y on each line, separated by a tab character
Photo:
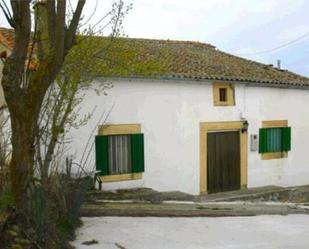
46	49
24	89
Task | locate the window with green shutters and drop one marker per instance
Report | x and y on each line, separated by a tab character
275	139
119	154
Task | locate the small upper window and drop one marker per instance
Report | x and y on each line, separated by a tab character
223	94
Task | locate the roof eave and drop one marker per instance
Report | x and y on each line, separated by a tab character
285	85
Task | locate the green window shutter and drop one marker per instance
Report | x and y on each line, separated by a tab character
263	140
275	139
286	138
137	150
101	150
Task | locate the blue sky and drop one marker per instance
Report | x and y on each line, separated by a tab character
234	26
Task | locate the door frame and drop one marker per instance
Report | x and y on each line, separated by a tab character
206	127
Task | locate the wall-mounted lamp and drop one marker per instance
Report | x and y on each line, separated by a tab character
245	126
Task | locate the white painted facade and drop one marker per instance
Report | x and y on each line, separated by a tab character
170	112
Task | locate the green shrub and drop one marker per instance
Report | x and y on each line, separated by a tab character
6	198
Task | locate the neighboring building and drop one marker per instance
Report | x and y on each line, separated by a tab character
210	122
6	45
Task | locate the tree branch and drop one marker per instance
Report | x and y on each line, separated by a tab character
92	14
7	13
14	66
51	16
70	33
60	33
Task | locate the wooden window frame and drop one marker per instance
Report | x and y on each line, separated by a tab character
120	129
274	124
230	94
206	127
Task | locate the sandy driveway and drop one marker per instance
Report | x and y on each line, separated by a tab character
260	232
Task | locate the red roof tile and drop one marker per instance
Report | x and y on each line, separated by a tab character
7	37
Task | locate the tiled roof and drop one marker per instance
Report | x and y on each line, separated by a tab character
197	61
7	37
200	61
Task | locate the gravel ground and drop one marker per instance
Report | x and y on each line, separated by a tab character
258	232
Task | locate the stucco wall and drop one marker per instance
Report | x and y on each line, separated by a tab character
170	113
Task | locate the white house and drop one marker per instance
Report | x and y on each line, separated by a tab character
211	122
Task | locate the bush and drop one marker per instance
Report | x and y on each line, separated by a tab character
56	209
6	198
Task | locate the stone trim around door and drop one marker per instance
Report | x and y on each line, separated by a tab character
206	127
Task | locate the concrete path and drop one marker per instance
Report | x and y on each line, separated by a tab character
296	194
190	209
260	232
145	202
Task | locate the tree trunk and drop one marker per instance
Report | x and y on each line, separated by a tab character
22	159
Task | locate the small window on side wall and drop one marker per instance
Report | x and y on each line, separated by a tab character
274	140
223	94
120	152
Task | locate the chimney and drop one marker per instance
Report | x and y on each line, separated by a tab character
279	64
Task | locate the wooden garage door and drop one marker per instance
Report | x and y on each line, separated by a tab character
223	161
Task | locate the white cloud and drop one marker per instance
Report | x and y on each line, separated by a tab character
198	19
